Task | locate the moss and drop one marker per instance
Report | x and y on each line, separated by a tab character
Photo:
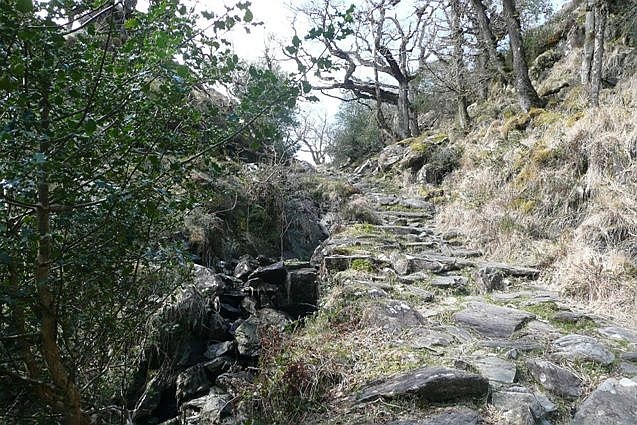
439	137
516	122
573	118
545	118
420	146
364	228
362	265
544	311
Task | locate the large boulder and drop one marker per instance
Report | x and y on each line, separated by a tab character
304	231
390	156
492	320
191	383
434	384
207	410
554	378
299	296
613	402
247	334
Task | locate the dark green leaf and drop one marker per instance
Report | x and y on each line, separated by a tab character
24	6
90	126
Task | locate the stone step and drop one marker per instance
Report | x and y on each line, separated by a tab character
434	384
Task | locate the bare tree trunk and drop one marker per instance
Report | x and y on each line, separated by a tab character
526	92
601	13
488	41
459	69
589	44
481	63
46	299
403	110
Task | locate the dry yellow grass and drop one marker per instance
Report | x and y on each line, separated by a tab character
562	194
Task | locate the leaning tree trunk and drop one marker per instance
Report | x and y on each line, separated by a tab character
526	92
601	12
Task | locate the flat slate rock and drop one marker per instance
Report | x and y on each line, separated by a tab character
571	317
581	347
430	383
449	282
519	406
495	369
613	402
453	416
555	378
492	320
511	270
392	315
617	333
418	203
436	263
428	338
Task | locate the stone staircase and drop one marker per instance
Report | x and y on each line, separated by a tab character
437	334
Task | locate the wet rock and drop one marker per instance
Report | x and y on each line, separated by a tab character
207	281
207	410
613	402
392	315
581	347
518	406
274	273
192	383
246	265
219	349
247	334
304	229
431	384
452	416
495	369
555	378
300	294
491	320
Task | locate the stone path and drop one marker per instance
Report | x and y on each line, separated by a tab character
481	342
